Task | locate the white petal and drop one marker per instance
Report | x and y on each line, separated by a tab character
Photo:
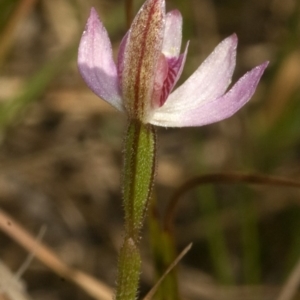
214	110
172	34
209	81
95	62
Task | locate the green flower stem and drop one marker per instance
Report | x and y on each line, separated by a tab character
129	271
138	174
139	167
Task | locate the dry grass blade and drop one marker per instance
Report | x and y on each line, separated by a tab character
152	292
30	257
290	288
90	285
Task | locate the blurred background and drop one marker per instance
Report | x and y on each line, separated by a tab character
61	152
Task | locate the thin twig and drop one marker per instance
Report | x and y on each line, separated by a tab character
221	178
90	285
30	257
152	292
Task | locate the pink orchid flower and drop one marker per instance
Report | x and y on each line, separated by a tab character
149	65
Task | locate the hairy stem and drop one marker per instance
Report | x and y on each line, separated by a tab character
138	174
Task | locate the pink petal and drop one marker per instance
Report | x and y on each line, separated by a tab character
172	34
162	72
209	81
215	110
175	67
142	50
95	62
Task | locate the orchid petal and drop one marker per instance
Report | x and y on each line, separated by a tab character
215	110
95	62
162	72
143	47
172	34
209	81
175	67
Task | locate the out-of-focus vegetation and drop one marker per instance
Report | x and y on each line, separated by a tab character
60	153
